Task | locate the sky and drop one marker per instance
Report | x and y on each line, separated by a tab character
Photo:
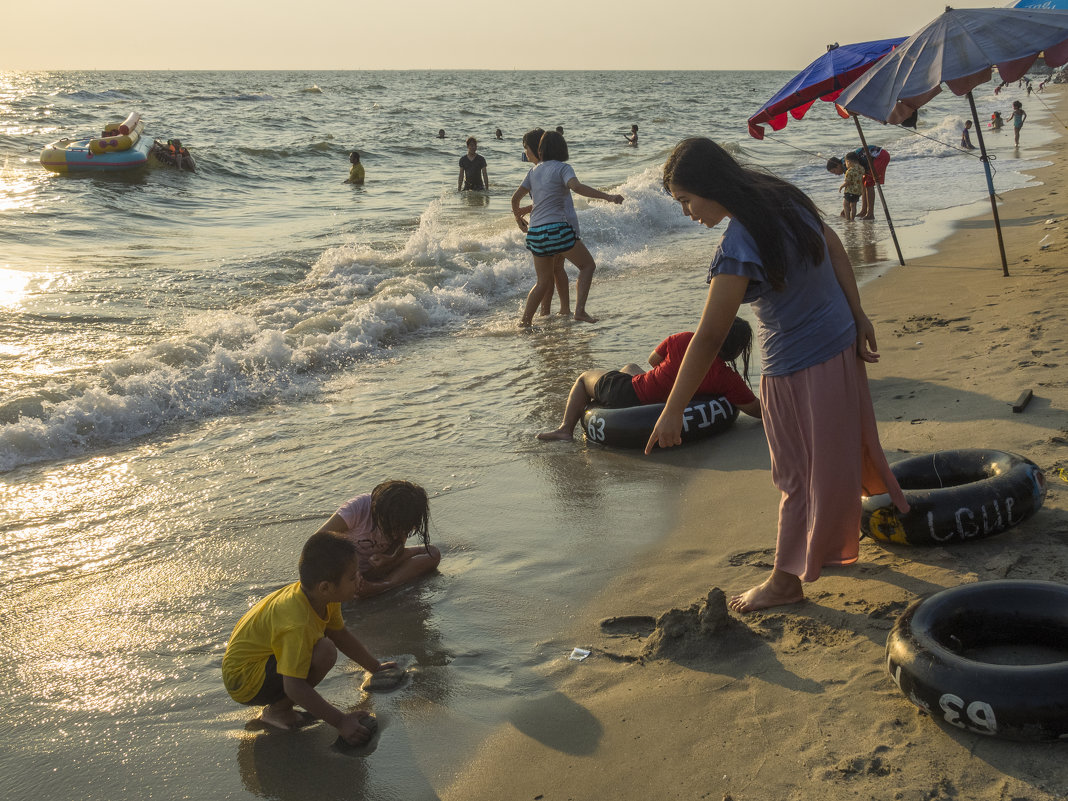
438	34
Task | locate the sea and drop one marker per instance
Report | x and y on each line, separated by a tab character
197	369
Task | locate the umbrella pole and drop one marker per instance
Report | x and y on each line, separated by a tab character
989	184
879	189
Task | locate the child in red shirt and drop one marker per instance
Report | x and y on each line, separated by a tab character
632	386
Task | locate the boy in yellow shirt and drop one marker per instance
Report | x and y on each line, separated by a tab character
287	643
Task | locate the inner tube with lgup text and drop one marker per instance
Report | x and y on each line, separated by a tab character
631	427
989	658
956	496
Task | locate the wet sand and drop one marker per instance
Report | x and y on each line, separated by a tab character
796	702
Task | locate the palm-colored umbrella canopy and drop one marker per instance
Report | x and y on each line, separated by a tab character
959	48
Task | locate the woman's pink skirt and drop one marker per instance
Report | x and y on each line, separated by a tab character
825	455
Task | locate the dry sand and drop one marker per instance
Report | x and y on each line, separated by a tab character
795	702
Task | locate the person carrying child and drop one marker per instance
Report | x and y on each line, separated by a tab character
286	644
632	386
378	525
880	158
853	186
550	184
779	256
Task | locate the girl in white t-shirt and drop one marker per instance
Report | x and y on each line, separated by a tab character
549	232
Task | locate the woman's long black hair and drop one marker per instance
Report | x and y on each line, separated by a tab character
770	209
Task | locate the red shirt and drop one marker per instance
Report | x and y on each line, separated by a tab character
655	385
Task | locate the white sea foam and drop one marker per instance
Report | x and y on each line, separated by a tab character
355	302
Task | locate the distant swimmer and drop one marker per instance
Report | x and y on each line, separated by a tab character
498	134
173	154
560	129
441	133
473	173
632	137
966	136
356	170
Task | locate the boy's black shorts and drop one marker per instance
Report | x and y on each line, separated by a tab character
615	390
272	689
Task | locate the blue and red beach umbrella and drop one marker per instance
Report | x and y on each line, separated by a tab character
823	79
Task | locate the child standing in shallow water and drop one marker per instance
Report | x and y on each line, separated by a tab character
550	183
379	524
1018	117
531	140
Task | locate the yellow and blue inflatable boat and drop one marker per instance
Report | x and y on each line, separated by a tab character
122	147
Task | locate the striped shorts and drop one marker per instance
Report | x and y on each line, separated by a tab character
550	239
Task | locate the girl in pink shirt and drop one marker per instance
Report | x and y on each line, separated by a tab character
379	524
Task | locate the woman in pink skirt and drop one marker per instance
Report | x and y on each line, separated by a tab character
777	255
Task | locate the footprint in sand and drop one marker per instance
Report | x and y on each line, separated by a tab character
761	558
629	625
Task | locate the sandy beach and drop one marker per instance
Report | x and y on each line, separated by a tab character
795	702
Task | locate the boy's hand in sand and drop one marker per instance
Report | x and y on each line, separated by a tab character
351	727
666	433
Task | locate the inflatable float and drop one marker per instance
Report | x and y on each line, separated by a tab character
990	658
956	496
631	427
122	147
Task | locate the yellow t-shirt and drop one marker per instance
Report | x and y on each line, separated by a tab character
355	174
283	624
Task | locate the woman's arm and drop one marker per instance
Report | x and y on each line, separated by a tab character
752	409
579	188
655	358
843	271
721	307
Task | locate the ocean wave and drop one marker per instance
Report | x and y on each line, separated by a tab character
354	303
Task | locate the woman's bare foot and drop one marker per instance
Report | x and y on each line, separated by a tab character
583	317
564	312
780	589
560	434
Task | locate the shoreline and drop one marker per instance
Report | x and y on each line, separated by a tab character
792	699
